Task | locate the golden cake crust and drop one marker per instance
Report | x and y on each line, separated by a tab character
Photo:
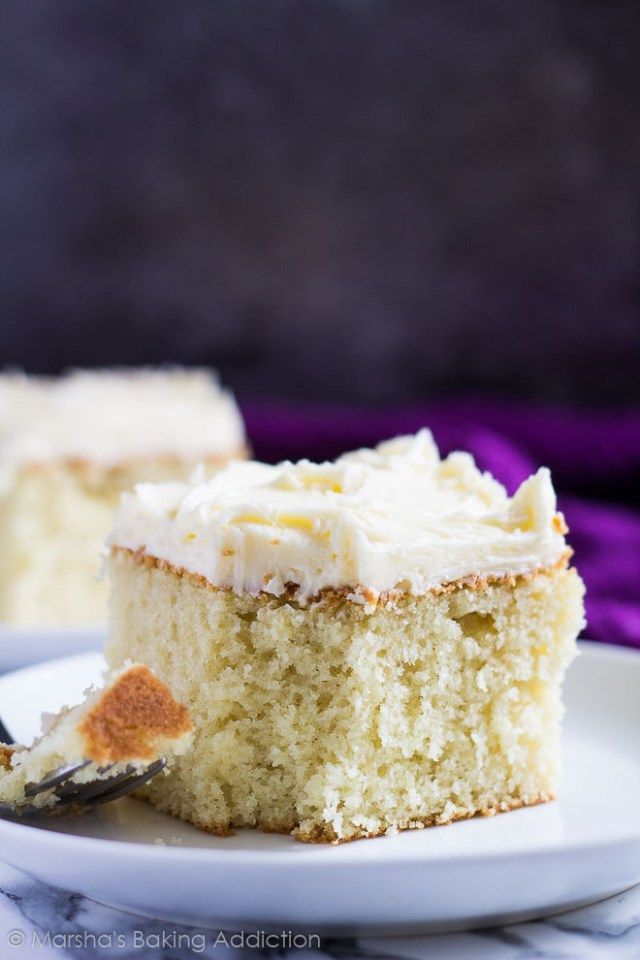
504	806
334	594
123	468
6	752
130	715
326	835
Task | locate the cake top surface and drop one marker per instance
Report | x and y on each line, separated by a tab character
394	518
115	416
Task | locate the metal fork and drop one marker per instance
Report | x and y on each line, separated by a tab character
91	793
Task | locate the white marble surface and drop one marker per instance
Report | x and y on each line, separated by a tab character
41	922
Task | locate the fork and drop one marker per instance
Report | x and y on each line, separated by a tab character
83	796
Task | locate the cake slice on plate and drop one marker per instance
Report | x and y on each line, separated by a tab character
128	724
370	645
68	448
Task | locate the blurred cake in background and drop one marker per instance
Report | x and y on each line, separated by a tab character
69	446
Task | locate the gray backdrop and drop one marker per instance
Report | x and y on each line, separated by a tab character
349	199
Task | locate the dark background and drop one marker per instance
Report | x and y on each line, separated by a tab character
354	201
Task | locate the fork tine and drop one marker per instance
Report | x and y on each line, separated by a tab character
9	811
91	793
79	792
95	790
5	736
55	778
131	784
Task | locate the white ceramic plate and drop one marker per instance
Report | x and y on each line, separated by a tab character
21	646
521	864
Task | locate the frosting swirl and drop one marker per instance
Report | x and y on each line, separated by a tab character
397	517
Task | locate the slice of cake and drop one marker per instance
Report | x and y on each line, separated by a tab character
68	448
368	645
131	722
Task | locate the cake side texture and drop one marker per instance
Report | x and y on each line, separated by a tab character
335	721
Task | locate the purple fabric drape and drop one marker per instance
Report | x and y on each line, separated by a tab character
594	458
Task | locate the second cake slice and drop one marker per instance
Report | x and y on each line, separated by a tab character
69	446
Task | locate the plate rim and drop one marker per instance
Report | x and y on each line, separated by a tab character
308	855
59	630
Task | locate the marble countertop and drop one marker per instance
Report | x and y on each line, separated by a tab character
37	921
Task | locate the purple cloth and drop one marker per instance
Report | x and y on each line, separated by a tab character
593	457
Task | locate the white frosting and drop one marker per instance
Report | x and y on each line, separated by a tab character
111	416
397	517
